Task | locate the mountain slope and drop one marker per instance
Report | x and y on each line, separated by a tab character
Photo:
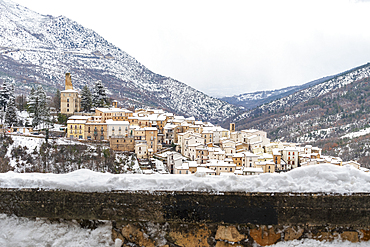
333	115
36	48
255	99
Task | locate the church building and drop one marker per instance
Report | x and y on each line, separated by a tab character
70	100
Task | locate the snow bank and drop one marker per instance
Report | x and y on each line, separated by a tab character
316	178
16	231
316	243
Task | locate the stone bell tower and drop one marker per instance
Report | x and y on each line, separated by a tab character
68	85
70	101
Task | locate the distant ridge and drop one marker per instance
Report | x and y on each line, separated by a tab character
252	100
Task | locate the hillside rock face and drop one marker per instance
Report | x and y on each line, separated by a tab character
39	49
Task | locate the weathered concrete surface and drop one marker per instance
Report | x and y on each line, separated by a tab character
191	207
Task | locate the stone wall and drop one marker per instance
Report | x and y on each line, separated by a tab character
178	218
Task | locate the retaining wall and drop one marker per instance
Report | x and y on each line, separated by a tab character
178	218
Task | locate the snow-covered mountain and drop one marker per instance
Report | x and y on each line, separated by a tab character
279	105
40	49
252	100
333	115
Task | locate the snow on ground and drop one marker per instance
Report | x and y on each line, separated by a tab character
357	134
16	231
316	178
30	142
66	141
315	243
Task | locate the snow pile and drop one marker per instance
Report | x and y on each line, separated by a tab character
16	231
316	178
316	243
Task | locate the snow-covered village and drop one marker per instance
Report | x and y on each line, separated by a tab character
184	124
101	136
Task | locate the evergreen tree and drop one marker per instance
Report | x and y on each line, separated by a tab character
38	106
4	94
56	100
86	99
11	117
100	98
21	102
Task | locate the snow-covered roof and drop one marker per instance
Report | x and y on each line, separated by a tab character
150	128
205	170
219	163
112	122
262	163
69	91
78	117
249	154
253	169
75	121
112	110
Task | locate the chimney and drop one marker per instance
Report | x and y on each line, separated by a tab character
68	82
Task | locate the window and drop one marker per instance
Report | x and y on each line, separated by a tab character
289	153
67	105
231	169
67	100
67	109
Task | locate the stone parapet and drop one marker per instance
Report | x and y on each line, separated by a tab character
179	218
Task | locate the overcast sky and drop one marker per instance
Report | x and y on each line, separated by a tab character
229	47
